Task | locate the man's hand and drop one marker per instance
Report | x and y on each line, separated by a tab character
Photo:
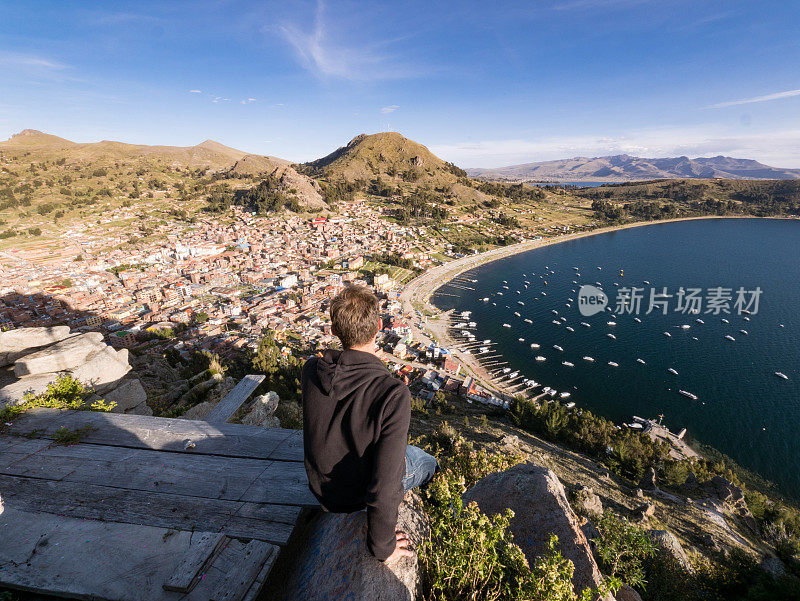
402	547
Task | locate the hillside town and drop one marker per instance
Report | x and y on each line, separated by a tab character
220	285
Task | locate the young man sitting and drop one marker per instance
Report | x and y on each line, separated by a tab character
355	427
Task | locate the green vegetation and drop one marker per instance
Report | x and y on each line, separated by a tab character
666	199
65	393
282	370
621	549
67	436
473	556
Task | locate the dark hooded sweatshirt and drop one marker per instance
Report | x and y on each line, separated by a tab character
355	430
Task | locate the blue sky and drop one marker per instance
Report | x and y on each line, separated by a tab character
481	84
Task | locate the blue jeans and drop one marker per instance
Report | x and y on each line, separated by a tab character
420	468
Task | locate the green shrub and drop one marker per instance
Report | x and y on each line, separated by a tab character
65	393
621	548
473	556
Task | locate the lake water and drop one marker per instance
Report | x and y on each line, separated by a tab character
743	408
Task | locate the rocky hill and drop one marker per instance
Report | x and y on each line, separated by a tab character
118	160
396	159
623	167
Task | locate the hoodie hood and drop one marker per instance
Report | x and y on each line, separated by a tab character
341	372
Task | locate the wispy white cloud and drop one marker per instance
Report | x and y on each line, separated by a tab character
195	91
30	61
389	109
331	53
765	98
776	148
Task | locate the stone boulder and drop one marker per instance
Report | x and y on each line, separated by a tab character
46	353
262	412
18	343
15	391
540	507
332	562
587	502
127	396
670	546
103	370
61	356
644	511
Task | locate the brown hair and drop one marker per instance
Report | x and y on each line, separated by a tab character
354	316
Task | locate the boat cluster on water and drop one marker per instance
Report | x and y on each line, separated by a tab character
516	382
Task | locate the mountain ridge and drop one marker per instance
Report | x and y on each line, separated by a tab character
624	167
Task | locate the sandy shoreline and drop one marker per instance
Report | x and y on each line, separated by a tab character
418	291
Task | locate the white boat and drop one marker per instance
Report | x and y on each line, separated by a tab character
646	282
725	320
698	320
520	303
637	320
544	293
576	269
641	361
743	332
513	375
534	345
688	394
781	375
483	349
557	322
506	325
487	341
500	294
472	324
505	287
517	314
522	340
568	364
526	320
611	323
667	334
672	371
585	325
746	318
588	358
729	337
685	326
558	348
564	319
569	405
570	329
506	370
613	364
553	311
611	336
485	299
466	313
518	292
540	358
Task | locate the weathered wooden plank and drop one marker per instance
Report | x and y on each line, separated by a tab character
223	410
282	482
206	476
291	449
260	521
106	561
239	580
164	434
199	556
198	476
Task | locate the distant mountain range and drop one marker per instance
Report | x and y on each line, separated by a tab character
624	168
